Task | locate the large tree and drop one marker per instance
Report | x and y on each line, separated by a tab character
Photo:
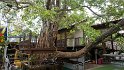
66	12
62	13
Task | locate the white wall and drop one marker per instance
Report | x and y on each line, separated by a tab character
77	33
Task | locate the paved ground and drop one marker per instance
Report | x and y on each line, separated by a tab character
92	66
103	67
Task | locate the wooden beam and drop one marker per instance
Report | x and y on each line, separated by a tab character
42	49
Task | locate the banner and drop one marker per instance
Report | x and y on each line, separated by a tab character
3	35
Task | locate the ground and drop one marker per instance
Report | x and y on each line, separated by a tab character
103	67
109	67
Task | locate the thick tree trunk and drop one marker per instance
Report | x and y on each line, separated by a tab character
98	40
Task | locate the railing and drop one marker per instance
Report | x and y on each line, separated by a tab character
61	43
70	42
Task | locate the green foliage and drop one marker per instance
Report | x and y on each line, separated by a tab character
120	42
38	10
74	3
77	13
95	2
110	9
72	18
89	31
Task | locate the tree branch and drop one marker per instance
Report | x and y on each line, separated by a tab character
98	40
82	6
25	3
92	11
6	0
18	3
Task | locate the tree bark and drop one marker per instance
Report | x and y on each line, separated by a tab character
98	40
49	4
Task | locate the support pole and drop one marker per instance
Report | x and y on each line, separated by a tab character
112	44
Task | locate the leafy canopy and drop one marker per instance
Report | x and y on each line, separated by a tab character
69	12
